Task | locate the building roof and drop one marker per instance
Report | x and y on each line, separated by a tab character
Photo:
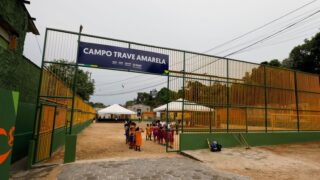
177	106
115	109
31	26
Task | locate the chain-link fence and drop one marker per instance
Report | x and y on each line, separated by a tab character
208	94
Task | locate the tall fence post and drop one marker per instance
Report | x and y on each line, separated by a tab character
183	89
228	99
265	100
210	115
167	110
246	116
74	83
38	134
297	99
53	127
36	121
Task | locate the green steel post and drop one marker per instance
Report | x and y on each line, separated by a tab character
228	104
52	133
210	119
297	99
74	84
183	89
38	131
246	120
167	110
265	100
39	85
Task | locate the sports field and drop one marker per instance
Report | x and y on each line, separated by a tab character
107	140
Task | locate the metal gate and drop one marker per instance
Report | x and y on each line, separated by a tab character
45	131
213	94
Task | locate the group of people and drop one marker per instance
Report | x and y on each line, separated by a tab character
159	131
133	135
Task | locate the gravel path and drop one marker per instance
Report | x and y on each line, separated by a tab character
144	169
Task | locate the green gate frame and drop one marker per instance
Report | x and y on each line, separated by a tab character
228	105
69	131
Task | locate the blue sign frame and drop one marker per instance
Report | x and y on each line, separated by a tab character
112	57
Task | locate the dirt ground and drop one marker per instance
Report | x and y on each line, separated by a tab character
107	141
293	161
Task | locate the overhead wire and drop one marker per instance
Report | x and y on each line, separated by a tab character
247	42
238	51
277	43
245	34
274	34
260	27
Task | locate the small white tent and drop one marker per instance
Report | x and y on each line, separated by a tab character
115	109
176	106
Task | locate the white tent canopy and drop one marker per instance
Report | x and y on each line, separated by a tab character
115	109
177	106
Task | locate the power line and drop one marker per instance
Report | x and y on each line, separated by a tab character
280	42
131	91
114	82
274	34
139	82
260	27
236	38
226	50
238	51
261	40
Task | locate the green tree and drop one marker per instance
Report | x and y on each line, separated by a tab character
160	99
97	105
273	62
130	103
85	85
306	57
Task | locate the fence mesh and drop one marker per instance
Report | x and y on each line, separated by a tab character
54	112
211	94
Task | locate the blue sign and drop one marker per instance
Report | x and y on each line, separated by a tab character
112	57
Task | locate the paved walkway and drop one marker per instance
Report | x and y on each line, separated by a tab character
144	169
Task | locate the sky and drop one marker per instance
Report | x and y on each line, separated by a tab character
193	25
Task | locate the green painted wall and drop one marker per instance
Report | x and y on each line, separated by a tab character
59	137
19	74
79	127
8	113
24	130
194	141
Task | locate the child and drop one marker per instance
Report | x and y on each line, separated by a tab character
155	132
164	134
132	135
126	132
138	139
147	132
171	136
160	135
